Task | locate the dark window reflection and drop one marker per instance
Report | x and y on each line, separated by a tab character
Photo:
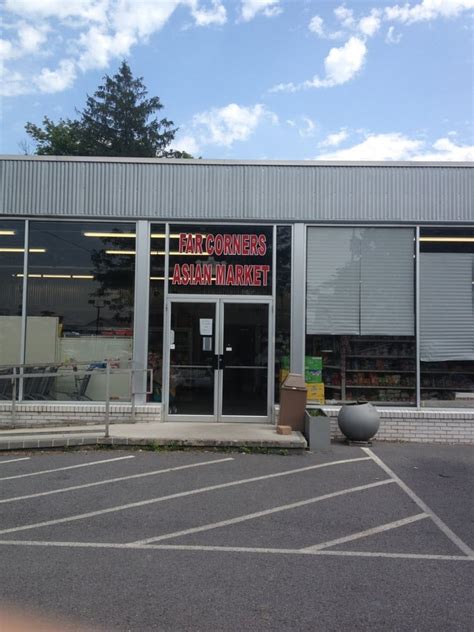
155	321
447	316
282	306
12	238
81	279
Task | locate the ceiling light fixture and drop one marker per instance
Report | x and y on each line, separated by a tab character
22	250
7	233
120	252
125	235
448	239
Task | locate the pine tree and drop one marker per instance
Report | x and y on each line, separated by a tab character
118	120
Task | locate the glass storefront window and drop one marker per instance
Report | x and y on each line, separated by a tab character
12	244
156	310
282	306
80	298
446	316
360	342
220	259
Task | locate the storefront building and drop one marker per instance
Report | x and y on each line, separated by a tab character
222	276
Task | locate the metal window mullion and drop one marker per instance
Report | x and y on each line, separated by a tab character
141	308
24	300
272	332
417	317
298	299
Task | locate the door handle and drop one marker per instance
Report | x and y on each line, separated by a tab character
218	362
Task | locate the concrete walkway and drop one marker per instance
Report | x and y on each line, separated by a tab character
153	433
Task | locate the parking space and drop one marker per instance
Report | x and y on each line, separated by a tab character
221	541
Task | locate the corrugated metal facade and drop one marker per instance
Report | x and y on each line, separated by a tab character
237	191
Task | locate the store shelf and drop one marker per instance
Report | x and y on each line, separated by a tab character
436	387
378	371
393	387
383	357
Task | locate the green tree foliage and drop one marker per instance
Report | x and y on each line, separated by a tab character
118	120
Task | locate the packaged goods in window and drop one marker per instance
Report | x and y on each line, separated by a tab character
315	393
313	369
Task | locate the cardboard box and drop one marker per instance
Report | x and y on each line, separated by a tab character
313	363
313	376
316	393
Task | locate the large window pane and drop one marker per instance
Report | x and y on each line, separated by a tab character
360	341
12	238
282	306
446	317
81	279
155	321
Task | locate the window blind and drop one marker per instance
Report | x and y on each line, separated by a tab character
360	281
446	306
387	299
333	277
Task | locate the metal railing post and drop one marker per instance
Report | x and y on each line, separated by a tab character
14	386
107	399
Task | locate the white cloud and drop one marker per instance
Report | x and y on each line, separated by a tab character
250	8
216	14
13	84
392	37
317	27
88	10
396	146
445	149
335	139
98	31
309	128
341	65
186	143
57	80
231	123
345	16
427	10
370	24
99	47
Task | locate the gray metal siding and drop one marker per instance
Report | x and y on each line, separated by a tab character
216	191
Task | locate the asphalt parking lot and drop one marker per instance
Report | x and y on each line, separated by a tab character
350	539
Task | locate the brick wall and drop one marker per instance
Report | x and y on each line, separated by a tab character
418	425
55	414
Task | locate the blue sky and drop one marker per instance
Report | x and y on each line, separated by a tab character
257	79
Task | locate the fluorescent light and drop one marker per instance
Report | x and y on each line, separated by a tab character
120	252
93	234
5	233
57	276
22	250
448	239
174	235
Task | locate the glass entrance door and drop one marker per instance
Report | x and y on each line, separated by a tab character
192	356
218	360
244	375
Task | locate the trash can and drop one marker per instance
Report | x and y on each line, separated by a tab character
293	402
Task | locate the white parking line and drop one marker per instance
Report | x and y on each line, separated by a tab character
422	505
113	480
69	467
363	534
24	458
230	549
191	492
260	514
